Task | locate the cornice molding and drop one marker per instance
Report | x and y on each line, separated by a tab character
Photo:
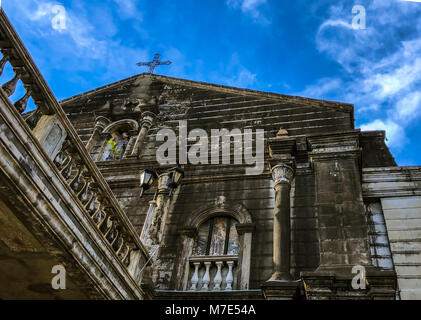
336	106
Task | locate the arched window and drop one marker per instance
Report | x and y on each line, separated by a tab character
117	136
216	248
116	147
216	237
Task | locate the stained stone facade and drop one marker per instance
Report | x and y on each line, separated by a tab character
312	151
329	198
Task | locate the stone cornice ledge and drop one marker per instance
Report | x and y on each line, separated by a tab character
391	182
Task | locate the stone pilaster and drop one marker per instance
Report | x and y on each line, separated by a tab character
335	159
100	124
245	231
188	236
147	122
151	233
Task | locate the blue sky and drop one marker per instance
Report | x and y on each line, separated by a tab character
301	47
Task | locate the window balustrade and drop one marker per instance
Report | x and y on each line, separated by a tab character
213	273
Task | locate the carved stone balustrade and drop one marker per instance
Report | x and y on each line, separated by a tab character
51	139
96	202
213	273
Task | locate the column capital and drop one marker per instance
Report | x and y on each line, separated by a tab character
282	173
102	122
164	183
148	119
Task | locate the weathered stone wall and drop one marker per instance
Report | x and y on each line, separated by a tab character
44	224
399	191
381	255
375	153
403	220
215	107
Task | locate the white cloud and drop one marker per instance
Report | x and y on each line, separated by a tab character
381	65
53	12
49	16
250	7
321	88
395	134
242	77
409	107
128	9
86	42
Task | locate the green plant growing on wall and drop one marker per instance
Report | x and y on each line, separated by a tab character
114	152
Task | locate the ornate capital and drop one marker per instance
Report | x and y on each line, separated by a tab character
101	122
164	183
282	173
148	119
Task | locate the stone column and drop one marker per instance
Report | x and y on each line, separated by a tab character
282	175
151	233
100	124
147	122
188	236
281	286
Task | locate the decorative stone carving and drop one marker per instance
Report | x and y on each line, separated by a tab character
128	124
282	173
148	119
236	210
220	201
10	86
195	278
282	133
213	273
51	134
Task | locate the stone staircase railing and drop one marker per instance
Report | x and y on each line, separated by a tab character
61	143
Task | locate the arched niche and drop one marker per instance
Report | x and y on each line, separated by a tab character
122	132
235	210
189	233
128	125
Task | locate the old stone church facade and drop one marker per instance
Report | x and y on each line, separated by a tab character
81	187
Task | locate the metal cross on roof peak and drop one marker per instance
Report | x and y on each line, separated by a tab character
154	63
